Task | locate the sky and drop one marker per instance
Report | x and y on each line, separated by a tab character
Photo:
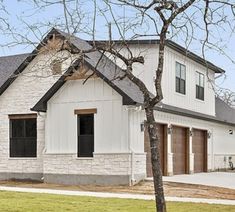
17	9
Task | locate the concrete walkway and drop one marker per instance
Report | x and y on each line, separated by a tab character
219	179
115	195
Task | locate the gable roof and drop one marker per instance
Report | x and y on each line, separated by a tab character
102	66
16	70
99	63
11	66
8	65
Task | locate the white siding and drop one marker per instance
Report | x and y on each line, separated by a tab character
146	73
136	138
225	142
187	101
111	120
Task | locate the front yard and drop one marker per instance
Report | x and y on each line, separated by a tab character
25	202
171	189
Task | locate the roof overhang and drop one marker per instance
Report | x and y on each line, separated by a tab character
191	114
41	105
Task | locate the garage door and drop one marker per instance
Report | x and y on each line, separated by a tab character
162	136
199	150
179	148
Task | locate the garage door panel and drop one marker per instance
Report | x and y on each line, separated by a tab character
199	149
179	138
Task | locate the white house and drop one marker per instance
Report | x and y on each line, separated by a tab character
56	128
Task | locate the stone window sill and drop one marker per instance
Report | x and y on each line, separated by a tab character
84	158
23	158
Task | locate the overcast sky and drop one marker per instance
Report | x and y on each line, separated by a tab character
16	10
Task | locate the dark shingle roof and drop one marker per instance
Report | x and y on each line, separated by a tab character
8	65
103	67
107	69
224	114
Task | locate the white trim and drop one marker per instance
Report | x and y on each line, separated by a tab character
225	154
22	158
59	153
199	100
84	158
119	153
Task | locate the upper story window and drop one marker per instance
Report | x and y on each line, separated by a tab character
180	78
200	78
23	135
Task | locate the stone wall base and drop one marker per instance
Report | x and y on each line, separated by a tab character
21	176
73	179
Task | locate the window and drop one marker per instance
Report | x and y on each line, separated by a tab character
199	86
85	129
23	136
180	79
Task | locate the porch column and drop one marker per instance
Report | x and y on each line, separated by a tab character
169	151
191	154
210	159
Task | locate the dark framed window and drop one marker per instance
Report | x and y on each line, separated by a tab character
23	136
180	78
200	78
85	129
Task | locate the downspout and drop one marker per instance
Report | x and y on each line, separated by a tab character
44	115
133	180
212	150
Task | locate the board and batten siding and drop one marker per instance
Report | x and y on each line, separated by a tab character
226	139
136	135
110	121
187	101
146	73
223	146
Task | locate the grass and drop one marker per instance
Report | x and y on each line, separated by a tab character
25	202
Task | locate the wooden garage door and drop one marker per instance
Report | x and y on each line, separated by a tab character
179	148
199	150
162	136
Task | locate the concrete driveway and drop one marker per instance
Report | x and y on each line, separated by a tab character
220	179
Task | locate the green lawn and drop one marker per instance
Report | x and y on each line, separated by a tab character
13	201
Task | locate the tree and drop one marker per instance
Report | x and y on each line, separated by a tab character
199	21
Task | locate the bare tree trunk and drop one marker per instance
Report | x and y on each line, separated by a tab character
155	159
